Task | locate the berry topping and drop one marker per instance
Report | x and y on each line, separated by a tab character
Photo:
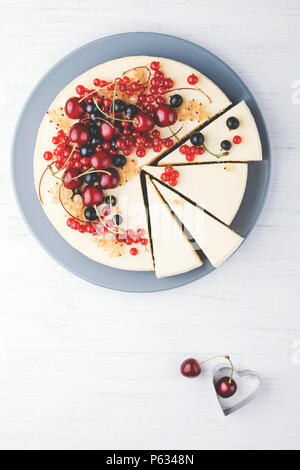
226	387
74	109
165	115
119	161
232	122
226	145
90	213
143	122
170	176
237	139
70	179
190	368
176	101
111	180
92	196
192	79
133	251
197	139
79	133
101	160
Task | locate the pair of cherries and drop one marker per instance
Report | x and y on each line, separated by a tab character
226	386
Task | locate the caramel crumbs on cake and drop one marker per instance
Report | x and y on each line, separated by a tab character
228	167
59	118
110	245
177	202
74	206
192	110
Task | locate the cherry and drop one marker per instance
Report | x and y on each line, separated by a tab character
101	160
107	131
92	196
226	387
190	368
68	180
165	115
143	122
79	133
111	180
73	108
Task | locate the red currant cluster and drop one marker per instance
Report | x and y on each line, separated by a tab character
170	176
81	227
190	152
130	237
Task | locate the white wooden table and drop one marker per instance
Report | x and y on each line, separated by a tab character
82	367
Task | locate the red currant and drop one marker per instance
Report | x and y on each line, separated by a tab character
192	79
48	156
155	65
134	251
237	139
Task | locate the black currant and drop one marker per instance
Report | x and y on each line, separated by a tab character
91	108
94	131
119	106
131	111
176	101
232	122
119	161
117	219
91	178
111	200
86	150
226	145
90	213
197	139
113	144
95	141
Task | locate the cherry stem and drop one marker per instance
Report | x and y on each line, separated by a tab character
217	155
69	213
113	101
97	89
110	117
140	67
41	178
173	133
225	357
189	88
87	172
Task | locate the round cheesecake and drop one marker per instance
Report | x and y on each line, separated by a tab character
107	150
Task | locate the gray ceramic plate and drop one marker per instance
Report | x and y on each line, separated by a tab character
55	80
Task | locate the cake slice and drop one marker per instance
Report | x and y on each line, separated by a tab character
236	125
172	252
218	189
215	239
